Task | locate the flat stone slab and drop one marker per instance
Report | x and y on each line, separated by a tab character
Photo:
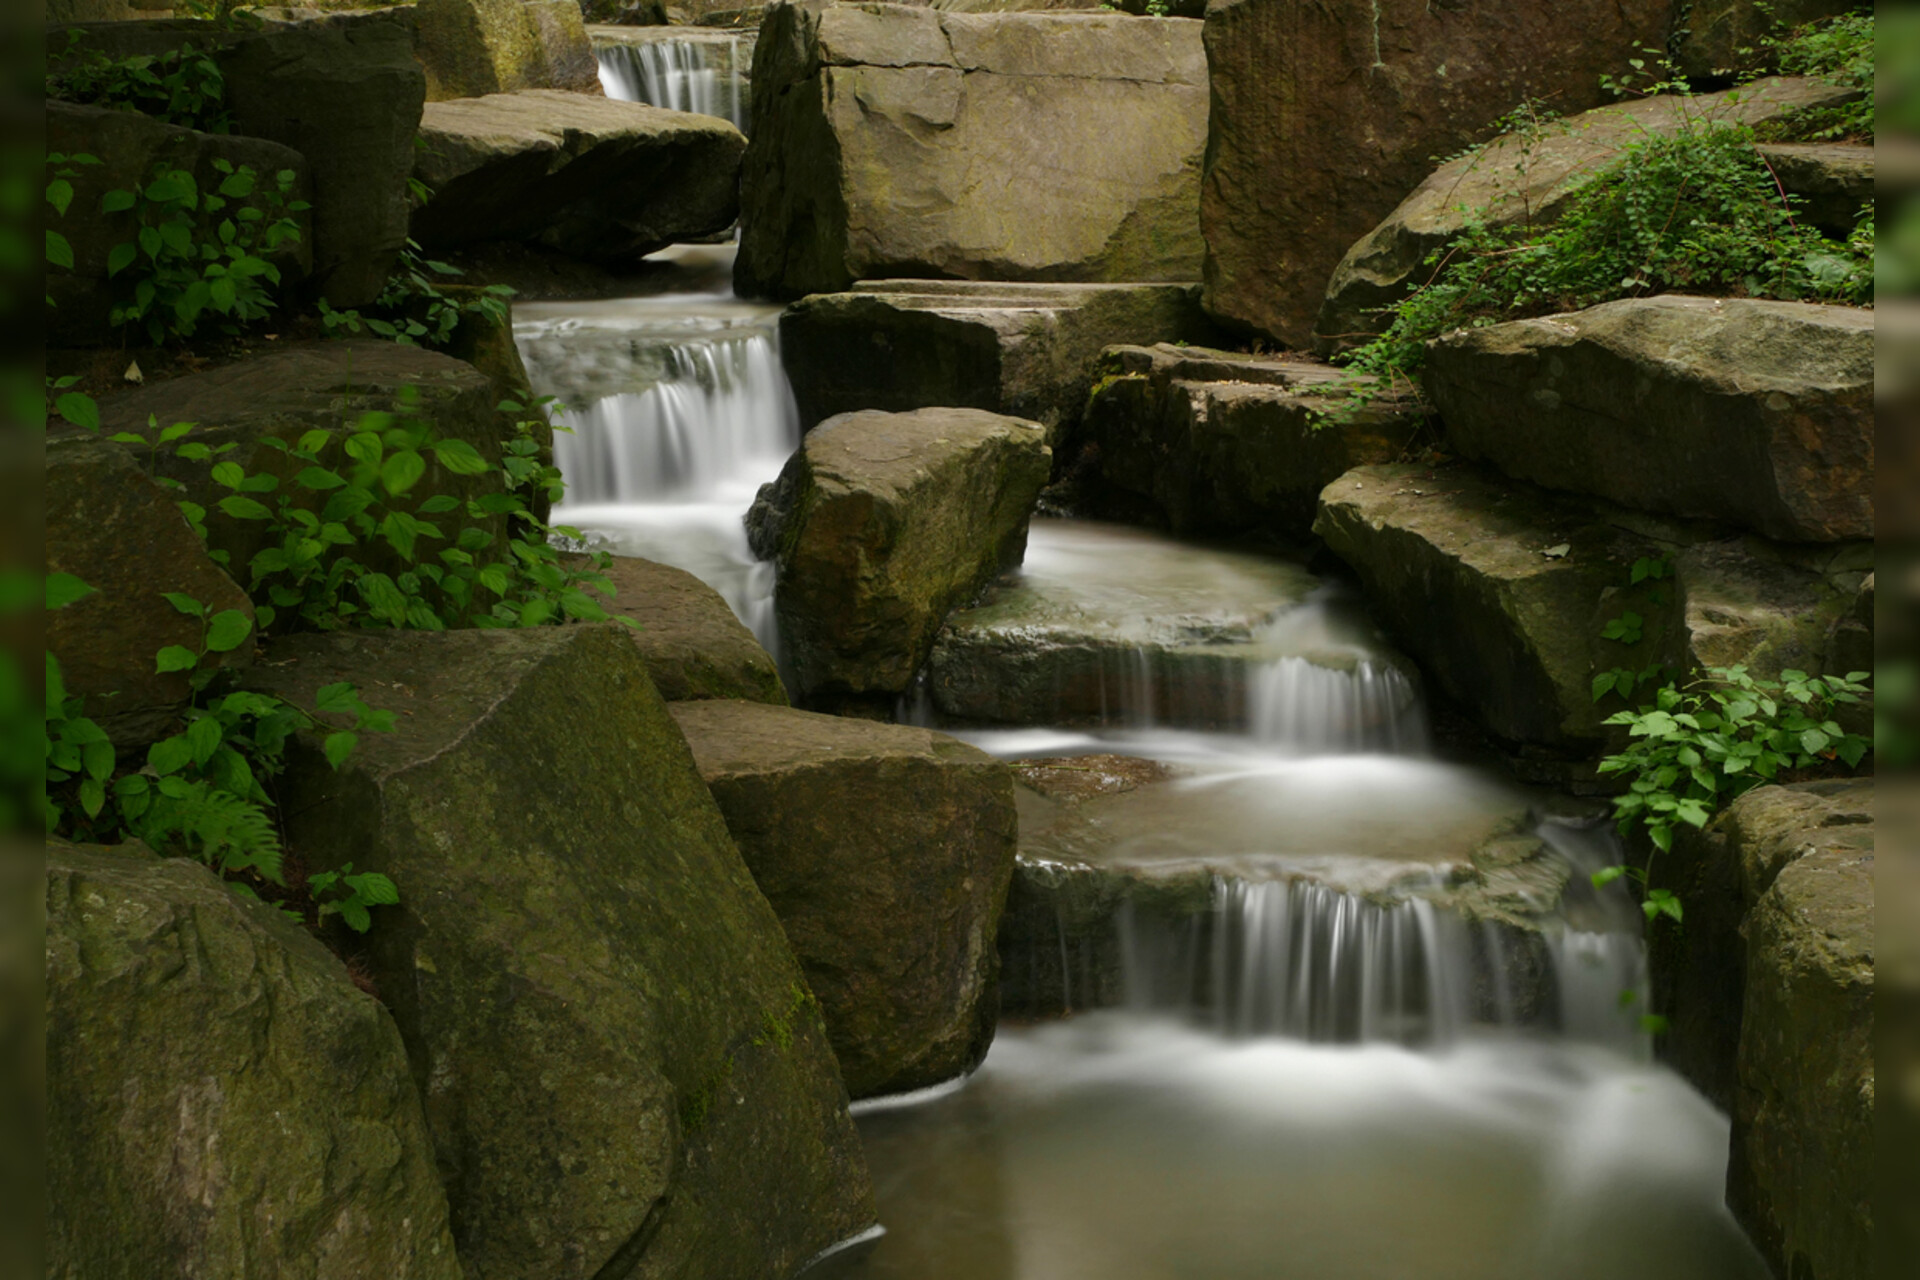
693	644
885	851
891	140
1753	412
1022	349
588	176
1835	180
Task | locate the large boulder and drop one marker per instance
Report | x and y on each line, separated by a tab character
880	525
885	851
1755	412
221	1099
1530	177
591	177
470	48
1216	442
1022	349
693	644
1835	181
109	524
897	141
1324	117
1716	38
1772	608
129	147
623	1068
311	385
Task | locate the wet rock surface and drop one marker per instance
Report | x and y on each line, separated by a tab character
693	645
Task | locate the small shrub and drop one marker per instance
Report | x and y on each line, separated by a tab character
412	310
1839	51
181	86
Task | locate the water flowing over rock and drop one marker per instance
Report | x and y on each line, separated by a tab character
1215	442
885	851
1531	177
221	1099
111	526
471	48
1755	412
693	644
1022	349
680	68
897	141
1324	117
590	177
621	1063
881	524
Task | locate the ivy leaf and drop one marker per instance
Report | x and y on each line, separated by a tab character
227	631
339	746
175	658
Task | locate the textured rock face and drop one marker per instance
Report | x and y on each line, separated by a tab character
1716	37
1214	442
881	524
475	47
130	145
885	851
1022	349
1754	412
309	385
120	533
590	177
621	1063
1324	117
1770	608
221	1099
693	645
1835	181
1520	179
897	141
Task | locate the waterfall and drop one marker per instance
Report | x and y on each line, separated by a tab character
680	74
1307	707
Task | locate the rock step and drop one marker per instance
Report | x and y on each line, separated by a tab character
693	644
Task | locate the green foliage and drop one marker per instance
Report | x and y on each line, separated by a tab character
412	310
349	896
61	170
1840	51
181	86
188	261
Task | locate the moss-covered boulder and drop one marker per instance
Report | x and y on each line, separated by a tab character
891	140
623	1069
693	644
221	1099
1023	349
470	48
880	525
1754	412
590	177
885	851
1771	607
1531	178
111	526
1216	442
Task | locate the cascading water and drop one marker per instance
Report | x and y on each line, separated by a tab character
701	76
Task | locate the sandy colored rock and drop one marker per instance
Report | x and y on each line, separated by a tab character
885	850
1757	413
621	1064
210	1069
470	48
693	645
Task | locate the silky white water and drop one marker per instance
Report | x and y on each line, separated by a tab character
701	76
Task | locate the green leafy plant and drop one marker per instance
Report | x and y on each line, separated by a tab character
201	253
349	895
412	310
182	86
1839	51
61	170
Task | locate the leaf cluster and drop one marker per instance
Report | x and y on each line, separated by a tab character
1839	51
411	308
181	86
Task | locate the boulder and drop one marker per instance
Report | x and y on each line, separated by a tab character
1835	181
303	386
1022	349
129	146
1324	117
1754	412
1216	442
693	645
1771	608
880	525
111	526
470	48
591	177
1531	177
221	1098
1716	38
885	851
623	1069
898	141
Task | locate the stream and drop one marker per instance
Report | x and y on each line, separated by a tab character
1321	1069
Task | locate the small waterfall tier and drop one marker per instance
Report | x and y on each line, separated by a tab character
699	71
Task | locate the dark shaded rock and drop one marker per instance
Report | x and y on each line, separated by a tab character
1770	608
212	1072
1755	412
621	1063
899	141
111	526
889	521
1324	117
475	47
1835	181
129	146
1022	349
1716	38
885	851
591	177
1224	443
693	645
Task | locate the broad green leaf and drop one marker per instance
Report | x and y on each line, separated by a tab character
63	588
228	630
175	658
402	470
375	889
228	475
242	508
80	409
204	737
170	755
59	252
338	746
460	457
116	202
